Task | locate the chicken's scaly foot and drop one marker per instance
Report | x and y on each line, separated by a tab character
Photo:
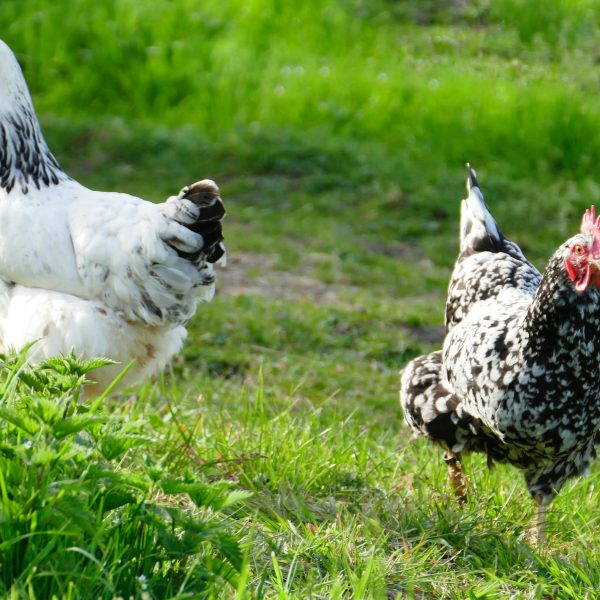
456	476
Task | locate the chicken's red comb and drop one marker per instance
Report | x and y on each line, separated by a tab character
590	224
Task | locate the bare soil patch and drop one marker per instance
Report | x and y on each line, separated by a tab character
255	275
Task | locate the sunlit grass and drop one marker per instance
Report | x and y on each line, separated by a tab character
332	69
337	131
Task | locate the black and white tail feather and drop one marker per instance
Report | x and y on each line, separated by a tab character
488	262
478	228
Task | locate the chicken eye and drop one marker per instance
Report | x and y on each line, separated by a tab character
578	249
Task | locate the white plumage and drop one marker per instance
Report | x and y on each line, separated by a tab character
98	273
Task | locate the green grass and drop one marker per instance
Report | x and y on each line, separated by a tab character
338	131
85	511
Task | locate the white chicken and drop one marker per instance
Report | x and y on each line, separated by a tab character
96	273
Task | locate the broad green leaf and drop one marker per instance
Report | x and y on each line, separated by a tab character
135	480
114	445
22	421
44	456
216	495
115	497
76	423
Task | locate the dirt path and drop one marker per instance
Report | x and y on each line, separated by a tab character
239	277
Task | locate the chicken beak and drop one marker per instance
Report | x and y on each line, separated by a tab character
594	272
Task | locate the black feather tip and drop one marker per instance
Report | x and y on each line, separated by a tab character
471	177
206	196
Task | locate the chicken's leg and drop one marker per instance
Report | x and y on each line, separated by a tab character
456	476
541	508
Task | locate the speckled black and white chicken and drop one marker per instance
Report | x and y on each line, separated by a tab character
97	273
517	377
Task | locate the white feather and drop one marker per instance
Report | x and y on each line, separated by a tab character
94	272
